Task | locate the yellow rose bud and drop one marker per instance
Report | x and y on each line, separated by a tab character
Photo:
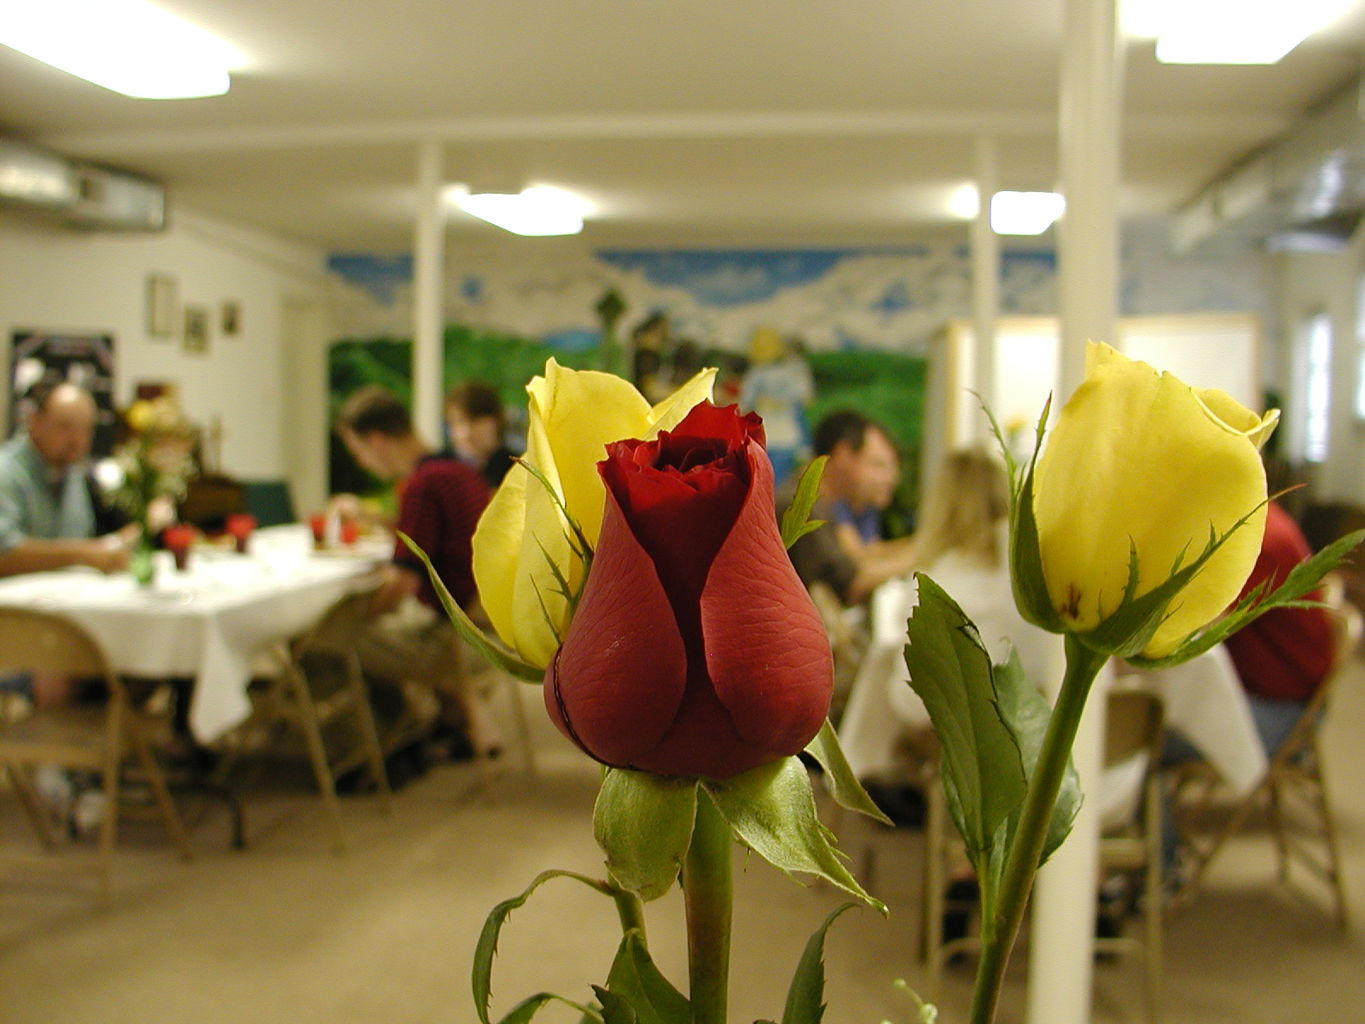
1140	462
523	538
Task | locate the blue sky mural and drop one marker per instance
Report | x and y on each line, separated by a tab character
723	277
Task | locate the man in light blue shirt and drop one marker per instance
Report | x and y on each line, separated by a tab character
47	517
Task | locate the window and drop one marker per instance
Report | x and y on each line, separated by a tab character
1317	382
1360	351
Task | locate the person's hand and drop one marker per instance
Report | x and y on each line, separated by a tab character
347	506
107	554
160	513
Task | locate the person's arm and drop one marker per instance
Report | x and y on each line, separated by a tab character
395	583
877	564
107	554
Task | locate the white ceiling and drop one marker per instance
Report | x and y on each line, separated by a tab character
682	122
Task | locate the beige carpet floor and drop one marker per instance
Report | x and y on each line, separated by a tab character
288	931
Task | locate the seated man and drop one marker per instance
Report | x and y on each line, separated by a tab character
48	516
439	504
1282	657
47	513
858	483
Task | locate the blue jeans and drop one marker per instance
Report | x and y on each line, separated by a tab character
19	682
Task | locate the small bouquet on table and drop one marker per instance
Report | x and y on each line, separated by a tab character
151	471
651	596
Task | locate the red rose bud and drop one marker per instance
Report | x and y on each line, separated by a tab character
695	649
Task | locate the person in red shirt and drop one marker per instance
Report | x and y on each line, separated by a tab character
1283	656
439	503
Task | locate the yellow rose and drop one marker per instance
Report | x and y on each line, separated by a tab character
1141	462
574	415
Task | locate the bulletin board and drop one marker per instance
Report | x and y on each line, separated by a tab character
85	359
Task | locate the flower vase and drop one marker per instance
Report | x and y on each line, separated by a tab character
140	562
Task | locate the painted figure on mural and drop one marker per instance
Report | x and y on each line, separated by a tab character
778	386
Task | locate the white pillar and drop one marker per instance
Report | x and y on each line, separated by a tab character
985	246
428	314
1061	951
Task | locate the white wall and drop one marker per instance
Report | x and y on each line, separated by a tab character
58	280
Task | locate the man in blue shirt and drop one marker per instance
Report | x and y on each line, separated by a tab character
47	516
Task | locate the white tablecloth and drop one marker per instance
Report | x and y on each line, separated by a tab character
207	623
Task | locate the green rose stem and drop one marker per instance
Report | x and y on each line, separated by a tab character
1021	862
707	898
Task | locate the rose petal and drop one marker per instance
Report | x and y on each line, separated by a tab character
615	686
767	653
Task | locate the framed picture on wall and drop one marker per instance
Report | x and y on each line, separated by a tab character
161	311
232	318
196	330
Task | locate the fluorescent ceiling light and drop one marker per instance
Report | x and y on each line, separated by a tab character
1227	31
128	46
1025	213
538	210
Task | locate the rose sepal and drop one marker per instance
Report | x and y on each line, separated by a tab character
491	651
1304	577
1026	560
643	823
839	776
771	810
1131	626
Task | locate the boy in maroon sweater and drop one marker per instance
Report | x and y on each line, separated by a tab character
1282	657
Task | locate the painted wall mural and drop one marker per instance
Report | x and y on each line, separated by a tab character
862	318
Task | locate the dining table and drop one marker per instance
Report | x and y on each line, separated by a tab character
1203	700
209	622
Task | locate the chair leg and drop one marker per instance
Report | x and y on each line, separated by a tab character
312	733
369	732
1152	910
113	762
523	724
156	779
932	903
31	803
1276	823
1204	858
1329	836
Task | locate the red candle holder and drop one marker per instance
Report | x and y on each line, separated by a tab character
240	527
178	540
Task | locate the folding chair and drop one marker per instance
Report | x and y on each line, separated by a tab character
1295	776
1131	844
321	694
96	739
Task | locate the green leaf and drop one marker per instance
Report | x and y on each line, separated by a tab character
771	809
982	767
487	946
1303	578
615	1008
796	520
492	652
1026	713
843	784
644	822
528	1007
635	979
806	996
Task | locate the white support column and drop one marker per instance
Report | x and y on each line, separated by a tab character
428	314
1061	961
985	246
